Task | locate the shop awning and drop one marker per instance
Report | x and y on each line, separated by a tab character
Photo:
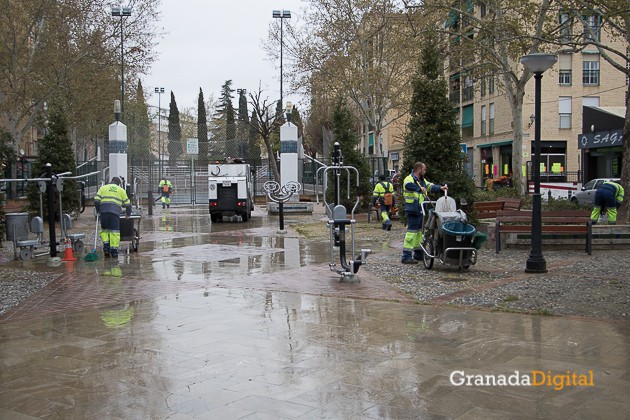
495	144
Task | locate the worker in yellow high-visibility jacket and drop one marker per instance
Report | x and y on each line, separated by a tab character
415	188
109	201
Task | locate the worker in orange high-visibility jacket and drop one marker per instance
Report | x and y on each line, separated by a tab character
165	188
109	201
383	195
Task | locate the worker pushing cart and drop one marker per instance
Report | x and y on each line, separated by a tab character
109	202
447	235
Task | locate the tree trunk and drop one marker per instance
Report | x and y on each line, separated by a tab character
519	181
272	159
624	211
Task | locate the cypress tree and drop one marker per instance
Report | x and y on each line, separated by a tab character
344	130
226	119
254	141
175	149
202	131
138	127
296	119
433	133
56	148
242	124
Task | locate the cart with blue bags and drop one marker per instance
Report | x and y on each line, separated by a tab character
447	236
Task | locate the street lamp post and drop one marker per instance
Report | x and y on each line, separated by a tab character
282	15
159	91
537	63
121	12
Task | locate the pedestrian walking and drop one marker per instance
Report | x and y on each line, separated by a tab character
415	188
608	198
109	202
384	195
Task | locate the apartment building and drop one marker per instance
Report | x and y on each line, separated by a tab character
577	80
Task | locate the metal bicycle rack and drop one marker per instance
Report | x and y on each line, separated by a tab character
337	217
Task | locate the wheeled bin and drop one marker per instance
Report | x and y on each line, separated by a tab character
456	242
130	230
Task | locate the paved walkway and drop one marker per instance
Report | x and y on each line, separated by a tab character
230	321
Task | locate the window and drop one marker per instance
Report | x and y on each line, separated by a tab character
482	9
564	64
590	73
454	89
483	120
482	87
491	122
468	93
565	27
592	28
590	101
564	110
491	85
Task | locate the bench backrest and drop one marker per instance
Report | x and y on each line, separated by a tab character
510	203
487	209
525	216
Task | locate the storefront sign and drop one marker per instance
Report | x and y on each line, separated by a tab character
600	139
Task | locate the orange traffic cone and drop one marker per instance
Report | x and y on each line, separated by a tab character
69	256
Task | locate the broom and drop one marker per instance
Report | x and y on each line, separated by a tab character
93	256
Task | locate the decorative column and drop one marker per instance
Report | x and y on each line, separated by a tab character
118	148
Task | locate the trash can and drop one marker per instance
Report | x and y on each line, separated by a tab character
457	235
17	223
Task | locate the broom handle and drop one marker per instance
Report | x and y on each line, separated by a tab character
96	232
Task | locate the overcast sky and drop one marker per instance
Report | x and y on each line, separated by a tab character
210	41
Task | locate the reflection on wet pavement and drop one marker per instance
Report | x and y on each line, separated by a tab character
232	320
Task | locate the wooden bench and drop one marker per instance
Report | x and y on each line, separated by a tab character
556	223
510	203
487	209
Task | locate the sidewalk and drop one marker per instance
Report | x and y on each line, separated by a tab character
236	321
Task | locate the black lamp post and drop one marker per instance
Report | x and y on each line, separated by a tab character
122	12
159	91
537	63
282	15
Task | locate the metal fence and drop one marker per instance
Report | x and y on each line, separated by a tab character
190	180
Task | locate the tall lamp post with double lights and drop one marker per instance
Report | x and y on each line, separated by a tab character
537	63
121	12
159	91
282	15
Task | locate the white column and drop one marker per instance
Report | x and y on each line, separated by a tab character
289	156
118	151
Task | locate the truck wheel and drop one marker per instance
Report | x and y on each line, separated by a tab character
214	217
245	216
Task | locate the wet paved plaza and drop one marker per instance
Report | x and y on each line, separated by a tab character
232	320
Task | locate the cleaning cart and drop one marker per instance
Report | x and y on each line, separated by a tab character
447	236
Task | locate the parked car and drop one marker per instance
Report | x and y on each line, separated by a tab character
586	197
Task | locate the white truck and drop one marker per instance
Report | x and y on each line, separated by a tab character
230	190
